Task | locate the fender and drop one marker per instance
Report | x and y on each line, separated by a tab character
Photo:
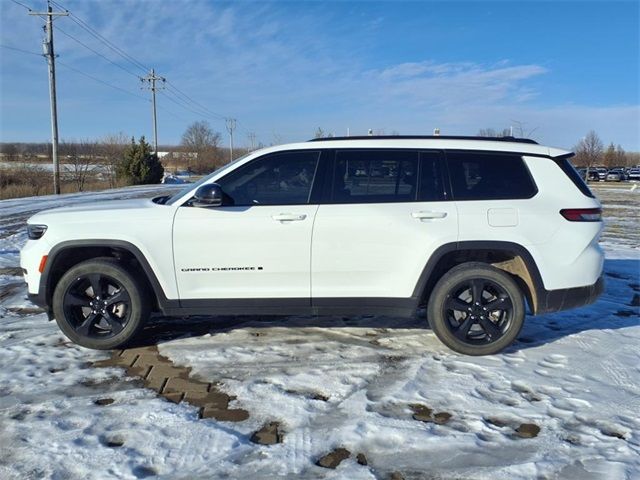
44	291
490	245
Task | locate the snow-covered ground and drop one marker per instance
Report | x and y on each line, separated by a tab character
331	382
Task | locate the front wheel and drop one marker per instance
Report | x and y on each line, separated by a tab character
98	304
476	309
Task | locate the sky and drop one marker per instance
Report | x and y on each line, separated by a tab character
553	70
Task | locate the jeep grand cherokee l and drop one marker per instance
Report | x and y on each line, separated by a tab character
476	230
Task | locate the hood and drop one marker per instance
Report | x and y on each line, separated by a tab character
107	205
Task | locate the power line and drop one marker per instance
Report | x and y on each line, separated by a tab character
188	100
96	52
177	91
172	113
107	84
133	61
84	25
173	93
181	103
101	81
21	4
20	50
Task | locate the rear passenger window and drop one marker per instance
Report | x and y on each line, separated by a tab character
375	176
486	176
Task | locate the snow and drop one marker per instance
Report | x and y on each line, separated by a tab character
331	382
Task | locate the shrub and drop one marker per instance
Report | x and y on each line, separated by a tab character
139	165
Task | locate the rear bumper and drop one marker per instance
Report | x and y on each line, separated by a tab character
556	300
38	300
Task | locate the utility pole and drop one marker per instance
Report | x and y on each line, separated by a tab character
231	126
151	79
47	47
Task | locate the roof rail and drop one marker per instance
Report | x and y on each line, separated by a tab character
427	137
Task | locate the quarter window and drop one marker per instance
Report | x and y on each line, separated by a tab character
277	179
486	176
375	176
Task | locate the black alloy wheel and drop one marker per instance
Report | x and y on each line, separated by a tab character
101	304
476	309
97	306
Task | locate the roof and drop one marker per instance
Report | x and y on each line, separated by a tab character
427	137
498	144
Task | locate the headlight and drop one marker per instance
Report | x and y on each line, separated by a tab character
36	231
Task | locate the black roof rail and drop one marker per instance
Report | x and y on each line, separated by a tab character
427	137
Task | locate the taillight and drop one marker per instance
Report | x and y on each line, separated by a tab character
582	214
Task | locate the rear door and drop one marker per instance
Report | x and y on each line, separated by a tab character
387	212
493	193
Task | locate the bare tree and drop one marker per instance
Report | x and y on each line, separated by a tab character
251	136
610	156
589	151
490	132
519	129
112	149
319	133
622	158
278	140
199	138
80	161
10	152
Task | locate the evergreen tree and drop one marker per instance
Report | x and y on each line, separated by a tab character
139	165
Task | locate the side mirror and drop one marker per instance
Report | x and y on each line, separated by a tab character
209	195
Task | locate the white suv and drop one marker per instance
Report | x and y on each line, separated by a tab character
474	229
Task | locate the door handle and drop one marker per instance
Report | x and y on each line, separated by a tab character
428	215
288	217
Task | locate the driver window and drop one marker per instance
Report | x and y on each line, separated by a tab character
277	179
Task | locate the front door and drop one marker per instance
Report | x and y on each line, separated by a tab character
257	245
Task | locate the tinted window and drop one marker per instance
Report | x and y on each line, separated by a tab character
484	176
431	179
375	176
277	179
576	178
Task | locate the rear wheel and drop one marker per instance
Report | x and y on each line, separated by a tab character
98	304
476	309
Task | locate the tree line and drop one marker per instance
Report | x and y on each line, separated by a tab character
118	159
125	161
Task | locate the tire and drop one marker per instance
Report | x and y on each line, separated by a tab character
100	305
469	326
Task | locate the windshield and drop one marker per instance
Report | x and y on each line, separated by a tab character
202	181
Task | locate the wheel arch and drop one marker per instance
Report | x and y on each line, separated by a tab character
508	256
67	254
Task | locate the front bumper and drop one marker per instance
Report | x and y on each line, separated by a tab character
565	299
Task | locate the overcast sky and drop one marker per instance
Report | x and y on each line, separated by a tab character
283	69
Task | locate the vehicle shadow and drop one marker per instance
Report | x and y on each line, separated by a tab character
614	310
